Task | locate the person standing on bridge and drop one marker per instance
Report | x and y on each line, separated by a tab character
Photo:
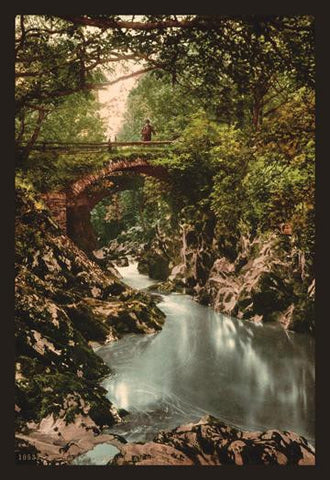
147	130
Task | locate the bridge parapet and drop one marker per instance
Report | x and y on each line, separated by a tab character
94	146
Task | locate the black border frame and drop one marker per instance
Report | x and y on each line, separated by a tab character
8	203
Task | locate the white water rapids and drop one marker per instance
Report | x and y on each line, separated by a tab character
202	362
256	377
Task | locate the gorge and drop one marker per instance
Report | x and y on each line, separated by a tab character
165	288
203	363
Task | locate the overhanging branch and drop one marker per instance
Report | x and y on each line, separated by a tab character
124	77
146	26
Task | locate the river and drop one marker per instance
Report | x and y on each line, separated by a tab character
255	377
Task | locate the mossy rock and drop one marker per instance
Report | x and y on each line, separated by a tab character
204	297
154	265
87	322
140	318
101	414
163	287
48	393
143	267
114	289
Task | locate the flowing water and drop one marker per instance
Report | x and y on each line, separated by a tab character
202	362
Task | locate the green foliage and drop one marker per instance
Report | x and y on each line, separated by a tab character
116	213
76	119
54	59
160	101
280	183
190	165
237	96
133	213
48	171
22	184
47	393
54	171
230	64
228	197
252	182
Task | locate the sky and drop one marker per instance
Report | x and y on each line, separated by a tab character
113	98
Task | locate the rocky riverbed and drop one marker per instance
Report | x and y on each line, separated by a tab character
267	279
210	442
65	304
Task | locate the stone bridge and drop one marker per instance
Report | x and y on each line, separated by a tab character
71	208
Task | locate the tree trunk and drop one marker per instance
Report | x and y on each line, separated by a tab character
31	142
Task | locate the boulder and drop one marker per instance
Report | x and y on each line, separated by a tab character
211	442
155	265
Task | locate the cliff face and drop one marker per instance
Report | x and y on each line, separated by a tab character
63	303
210	442
268	278
267	281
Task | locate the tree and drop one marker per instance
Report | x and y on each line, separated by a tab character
162	102
245	74
55	59
281	180
213	55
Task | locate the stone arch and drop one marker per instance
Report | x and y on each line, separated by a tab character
85	193
139	165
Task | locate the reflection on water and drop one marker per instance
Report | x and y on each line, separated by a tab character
204	362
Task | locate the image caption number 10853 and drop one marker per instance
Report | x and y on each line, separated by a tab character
26	457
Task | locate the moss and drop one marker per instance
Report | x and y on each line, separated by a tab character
53	393
55	171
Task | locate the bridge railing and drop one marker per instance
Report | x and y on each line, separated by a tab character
43	146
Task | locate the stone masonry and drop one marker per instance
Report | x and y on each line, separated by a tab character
71	208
